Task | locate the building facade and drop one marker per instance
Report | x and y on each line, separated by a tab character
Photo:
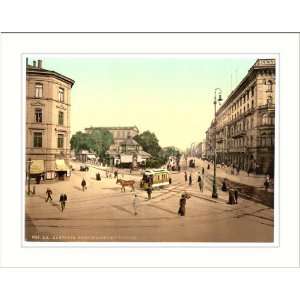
125	151
48	102
245	124
120	134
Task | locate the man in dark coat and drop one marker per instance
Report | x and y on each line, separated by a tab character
190	179
149	191
62	200
224	185
182	203
231	199
202	171
49	193
185	176
83	184
236	196
200	182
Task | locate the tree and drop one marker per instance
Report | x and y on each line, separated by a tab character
81	141
149	143
102	139
99	141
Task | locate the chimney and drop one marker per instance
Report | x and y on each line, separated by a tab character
34	63
39	63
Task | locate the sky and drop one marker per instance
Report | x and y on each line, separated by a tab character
171	96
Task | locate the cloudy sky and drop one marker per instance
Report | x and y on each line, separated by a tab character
171	96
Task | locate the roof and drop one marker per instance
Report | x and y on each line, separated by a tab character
259	64
155	171
130	141
31	70
115	128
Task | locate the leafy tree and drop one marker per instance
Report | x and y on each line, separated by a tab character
99	141
81	141
102	139
149	143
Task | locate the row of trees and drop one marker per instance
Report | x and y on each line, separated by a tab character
159	156
99	141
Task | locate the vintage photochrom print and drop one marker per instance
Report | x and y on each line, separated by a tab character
149	148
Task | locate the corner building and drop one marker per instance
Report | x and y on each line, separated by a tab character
48	103
245	123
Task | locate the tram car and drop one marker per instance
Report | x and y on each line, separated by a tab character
155	178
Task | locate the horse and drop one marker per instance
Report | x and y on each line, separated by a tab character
125	183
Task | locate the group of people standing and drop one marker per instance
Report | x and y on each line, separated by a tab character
200	179
62	199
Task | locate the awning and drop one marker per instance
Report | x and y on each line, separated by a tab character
37	167
91	156
61	165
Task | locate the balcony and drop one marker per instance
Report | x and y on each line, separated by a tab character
238	134
220	139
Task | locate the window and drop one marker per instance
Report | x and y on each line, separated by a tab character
61	92
60	141
252	91
265	119
38	90
269	85
60	118
37	140
252	104
38	115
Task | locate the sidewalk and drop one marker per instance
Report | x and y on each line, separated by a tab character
243	178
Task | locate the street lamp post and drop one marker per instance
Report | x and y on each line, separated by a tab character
29	162
214	187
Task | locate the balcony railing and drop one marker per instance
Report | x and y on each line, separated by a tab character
238	134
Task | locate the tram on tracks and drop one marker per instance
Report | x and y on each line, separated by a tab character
155	178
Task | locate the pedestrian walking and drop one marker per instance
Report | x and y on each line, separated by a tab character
116	174
231	199
208	167
149	191
185	176
236	196
200	183
224	185
62	200
83	184
190	179
202	171
49	193
134	204
238	170
182	203
267	182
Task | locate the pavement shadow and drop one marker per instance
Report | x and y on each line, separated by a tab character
123	209
77	188
56	205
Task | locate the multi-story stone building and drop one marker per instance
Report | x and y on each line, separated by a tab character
245	123
120	134
125	151
48	102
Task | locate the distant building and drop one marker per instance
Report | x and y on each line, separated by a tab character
48	102
125	151
203	150
120	134
245	123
